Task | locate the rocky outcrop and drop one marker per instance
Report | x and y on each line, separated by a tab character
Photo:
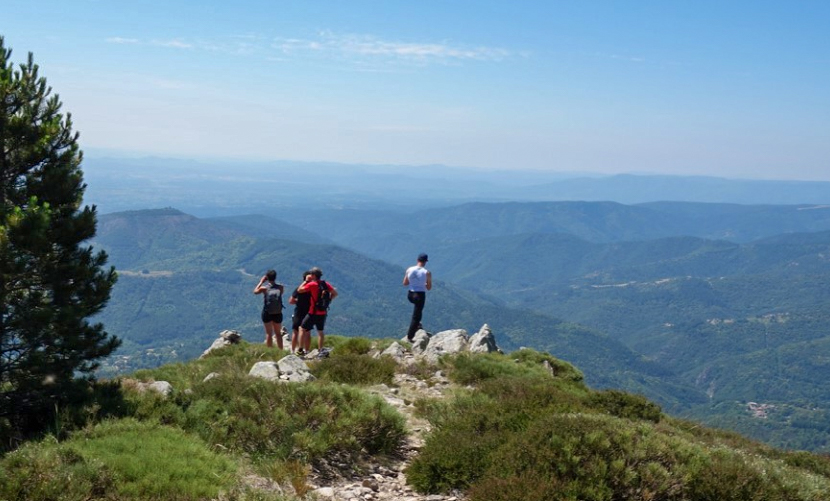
420	341
483	341
445	343
294	370
395	351
226	338
269	371
433	347
291	369
163	388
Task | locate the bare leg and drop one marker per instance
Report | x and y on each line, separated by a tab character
269	334
295	339
278	334
320	338
305	340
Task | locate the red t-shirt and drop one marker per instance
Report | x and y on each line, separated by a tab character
313	288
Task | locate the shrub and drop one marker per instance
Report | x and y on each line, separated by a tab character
560	369
122	459
355	369
349	345
472	369
421	369
625	405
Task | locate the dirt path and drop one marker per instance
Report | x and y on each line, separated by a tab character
387	481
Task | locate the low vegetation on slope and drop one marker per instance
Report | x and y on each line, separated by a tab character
518	426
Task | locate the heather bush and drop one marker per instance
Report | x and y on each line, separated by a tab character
351	368
305	422
120	460
625	405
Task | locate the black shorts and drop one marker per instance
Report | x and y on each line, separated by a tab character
314	321
271	317
297	320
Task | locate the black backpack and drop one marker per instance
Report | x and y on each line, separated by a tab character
273	299
324	297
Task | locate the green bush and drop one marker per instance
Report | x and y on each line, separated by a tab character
560	369
123	459
524	435
284	422
351	368
625	405
472	369
351	345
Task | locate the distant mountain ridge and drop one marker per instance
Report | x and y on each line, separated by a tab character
239	187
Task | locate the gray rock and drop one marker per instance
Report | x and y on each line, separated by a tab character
445	343
294	369
265	370
483	341
231	336
162	387
212	375
324	492
226	338
420	341
395	351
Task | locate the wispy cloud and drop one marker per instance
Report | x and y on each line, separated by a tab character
122	40
371	47
358	49
175	44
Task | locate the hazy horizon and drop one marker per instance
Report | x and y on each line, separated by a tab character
733	90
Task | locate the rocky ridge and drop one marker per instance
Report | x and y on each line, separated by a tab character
374	481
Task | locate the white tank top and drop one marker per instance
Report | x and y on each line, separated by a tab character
417	278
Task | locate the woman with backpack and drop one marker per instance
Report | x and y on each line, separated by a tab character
272	307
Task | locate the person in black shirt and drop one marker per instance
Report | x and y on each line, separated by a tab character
301	302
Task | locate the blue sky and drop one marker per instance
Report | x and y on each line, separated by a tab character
734	89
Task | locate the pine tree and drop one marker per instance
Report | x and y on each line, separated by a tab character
51	282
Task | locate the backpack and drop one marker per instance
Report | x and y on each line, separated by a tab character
323	298
273	300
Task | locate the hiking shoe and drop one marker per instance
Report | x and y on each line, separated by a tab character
301	353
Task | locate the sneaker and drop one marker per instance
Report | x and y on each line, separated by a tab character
301	353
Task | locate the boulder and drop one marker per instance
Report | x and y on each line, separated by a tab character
445	343
420	341
162	387
265	370
226	338
293	369
395	351
483	341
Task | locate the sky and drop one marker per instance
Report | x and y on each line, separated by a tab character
736	89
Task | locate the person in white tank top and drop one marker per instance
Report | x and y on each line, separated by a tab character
419	281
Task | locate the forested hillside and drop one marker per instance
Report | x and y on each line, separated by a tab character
703	326
741	318
183	279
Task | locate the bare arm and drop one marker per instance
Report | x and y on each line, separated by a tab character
406	279
259	289
429	280
333	292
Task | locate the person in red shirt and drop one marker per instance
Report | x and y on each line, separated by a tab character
316	317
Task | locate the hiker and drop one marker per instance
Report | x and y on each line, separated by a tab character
271	307
301	301
419	280
322	293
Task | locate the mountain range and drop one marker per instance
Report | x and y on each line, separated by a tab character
701	325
